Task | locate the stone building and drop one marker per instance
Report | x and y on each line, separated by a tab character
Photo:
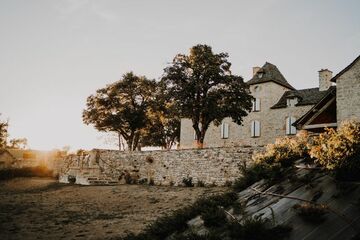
276	108
342	102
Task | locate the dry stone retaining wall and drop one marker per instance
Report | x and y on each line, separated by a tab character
211	165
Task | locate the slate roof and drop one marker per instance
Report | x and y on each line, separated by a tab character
270	74
309	96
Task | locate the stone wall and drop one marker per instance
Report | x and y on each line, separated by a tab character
348	94
273	121
211	166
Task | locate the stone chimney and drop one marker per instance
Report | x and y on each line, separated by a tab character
324	79
255	70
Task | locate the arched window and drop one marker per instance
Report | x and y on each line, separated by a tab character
290	129
224	130
256	105
255	128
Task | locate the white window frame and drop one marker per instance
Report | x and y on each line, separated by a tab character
290	129
255	128
224	131
256	105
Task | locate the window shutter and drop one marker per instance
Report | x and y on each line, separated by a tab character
257	104
292	128
257	129
226	130
252	128
287	122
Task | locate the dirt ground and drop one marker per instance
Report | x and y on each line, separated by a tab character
35	208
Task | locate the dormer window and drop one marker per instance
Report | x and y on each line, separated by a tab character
260	73
291	102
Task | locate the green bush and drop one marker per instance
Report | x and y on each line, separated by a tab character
213	217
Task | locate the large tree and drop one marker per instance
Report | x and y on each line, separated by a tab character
122	107
205	90
164	122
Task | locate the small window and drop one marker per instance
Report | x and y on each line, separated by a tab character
255	128
256	105
291	102
224	130
290	129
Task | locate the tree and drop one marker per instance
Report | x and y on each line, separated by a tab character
164	126
204	89
3	133
18	143
122	107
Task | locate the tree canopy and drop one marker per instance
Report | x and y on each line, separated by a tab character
122	107
204	89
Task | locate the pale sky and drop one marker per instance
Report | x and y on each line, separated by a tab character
54	54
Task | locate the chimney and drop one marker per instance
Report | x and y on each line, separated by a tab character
325	76
255	70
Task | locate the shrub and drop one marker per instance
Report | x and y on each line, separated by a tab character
312	213
213	217
200	183
339	150
39	171
188	182
284	150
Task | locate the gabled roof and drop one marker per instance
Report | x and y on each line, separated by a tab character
345	69
308	96
321	105
270	74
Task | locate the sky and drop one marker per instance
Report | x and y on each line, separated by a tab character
54	54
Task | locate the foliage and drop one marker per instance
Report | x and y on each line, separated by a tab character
122	107
285	150
39	171
339	150
177	221
164	122
311	213
200	183
213	217
257	228
3	133
204	90
188	182
256	172
18	143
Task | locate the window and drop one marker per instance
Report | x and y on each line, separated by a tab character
224	130
290	129
256	105
255	128
291	102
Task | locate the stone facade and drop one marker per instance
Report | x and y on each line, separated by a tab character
348	93
272	121
210	165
